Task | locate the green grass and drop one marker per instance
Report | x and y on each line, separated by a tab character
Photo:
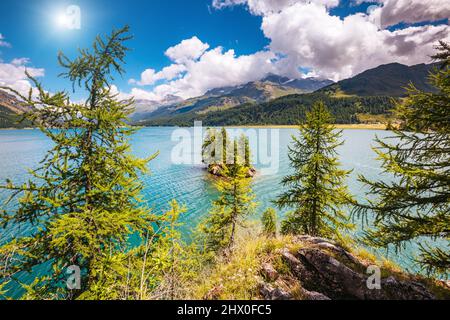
238	277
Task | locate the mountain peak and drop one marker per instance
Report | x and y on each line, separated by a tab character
271	77
386	80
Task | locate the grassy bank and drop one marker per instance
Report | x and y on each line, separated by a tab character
240	276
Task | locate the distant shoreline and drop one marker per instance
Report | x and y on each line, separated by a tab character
356	126
9	129
378	126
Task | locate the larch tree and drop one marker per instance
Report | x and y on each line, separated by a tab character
225	145
83	201
269	222
235	202
316	189
415	203
209	146
244	144
171	265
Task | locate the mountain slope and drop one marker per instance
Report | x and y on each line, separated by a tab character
144	107
10	109
288	110
365	96
220	99
11	103
306	85
385	80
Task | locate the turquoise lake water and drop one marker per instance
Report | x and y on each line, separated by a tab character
189	184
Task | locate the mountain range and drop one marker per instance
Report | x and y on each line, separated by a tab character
366	95
266	89
385	80
272	100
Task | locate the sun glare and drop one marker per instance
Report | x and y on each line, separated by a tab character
61	20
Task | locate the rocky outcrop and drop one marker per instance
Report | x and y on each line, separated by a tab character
321	270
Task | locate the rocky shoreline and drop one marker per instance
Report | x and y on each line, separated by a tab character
322	270
218	170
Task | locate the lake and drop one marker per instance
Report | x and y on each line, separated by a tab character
189	184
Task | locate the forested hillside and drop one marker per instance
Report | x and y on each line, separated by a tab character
385	80
224	98
286	110
9	119
366	96
10	108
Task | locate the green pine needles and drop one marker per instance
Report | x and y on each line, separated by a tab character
269	222
316	189
84	199
416	204
235	202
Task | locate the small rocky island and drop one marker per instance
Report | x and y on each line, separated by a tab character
220	154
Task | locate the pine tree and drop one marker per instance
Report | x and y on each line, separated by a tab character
316	188
245	143
209	147
230	209
84	198
443	54
225	144
215	151
269	222
415	205
171	263
163	266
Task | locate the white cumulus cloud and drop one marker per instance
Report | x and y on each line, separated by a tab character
219	68
186	50
339	48
13	75
150	76
264	7
197	69
303	35
393	12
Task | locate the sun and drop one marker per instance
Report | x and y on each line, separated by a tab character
62	20
66	18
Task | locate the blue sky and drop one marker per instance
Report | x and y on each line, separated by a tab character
29	25
30	29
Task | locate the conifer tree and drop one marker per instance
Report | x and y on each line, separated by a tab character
171	263
235	202
170	249
245	145
225	143
415	205
316	189
83	200
163	266
209	147
269	222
